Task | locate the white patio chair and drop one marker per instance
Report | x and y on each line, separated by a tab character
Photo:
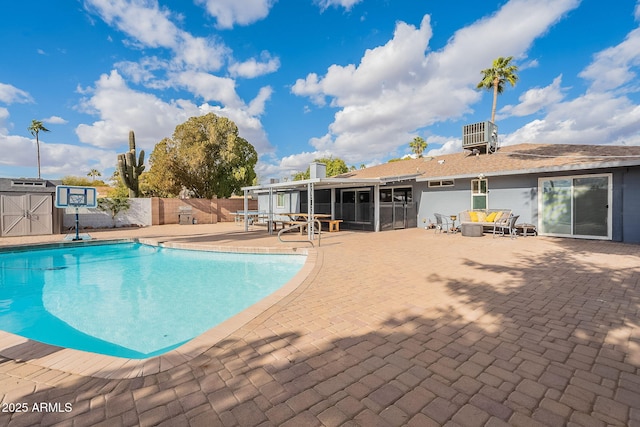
442	223
505	225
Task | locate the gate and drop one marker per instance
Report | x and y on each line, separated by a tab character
26	215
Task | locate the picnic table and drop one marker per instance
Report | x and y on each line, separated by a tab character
303	218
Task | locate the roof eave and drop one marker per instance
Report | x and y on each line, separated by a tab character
528	171
322	181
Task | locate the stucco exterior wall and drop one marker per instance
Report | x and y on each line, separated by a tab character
139	214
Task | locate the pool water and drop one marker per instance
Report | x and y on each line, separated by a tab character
128	299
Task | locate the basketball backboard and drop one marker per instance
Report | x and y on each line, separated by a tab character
72	196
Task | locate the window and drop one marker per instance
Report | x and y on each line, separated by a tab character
28	183
442	183
479	194
280	200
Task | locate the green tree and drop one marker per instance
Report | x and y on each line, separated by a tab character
113	205
35	129
418	145
205	156
494	79
335	166
93	173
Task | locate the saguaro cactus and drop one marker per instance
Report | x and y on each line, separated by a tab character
130	170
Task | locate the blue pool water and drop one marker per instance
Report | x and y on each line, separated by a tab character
128	299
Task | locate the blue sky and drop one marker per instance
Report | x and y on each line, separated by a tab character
303	79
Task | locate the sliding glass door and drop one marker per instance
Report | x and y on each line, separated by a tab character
575	206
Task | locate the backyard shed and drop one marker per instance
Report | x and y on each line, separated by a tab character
27	207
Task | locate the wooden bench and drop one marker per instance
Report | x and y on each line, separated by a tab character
334	224
302	224
282	223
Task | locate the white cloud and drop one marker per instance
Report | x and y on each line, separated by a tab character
121	109
10	94
256	106
57	159
231	12
55	120
602	115
398	88
595	118
210	87
142	72
612	67
347	4
254	68
200	53
143	20
534	100
151	26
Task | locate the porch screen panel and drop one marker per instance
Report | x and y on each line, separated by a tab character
556	206
348	205
364	207
591	198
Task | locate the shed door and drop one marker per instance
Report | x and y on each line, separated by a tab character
26	215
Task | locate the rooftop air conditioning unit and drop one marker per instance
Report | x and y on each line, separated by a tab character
482	136
317	170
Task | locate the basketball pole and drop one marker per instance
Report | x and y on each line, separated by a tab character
77	226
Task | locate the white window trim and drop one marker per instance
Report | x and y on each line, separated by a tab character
486	194
441	183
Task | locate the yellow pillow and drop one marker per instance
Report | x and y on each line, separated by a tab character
498	216
482	217
473	216
491	217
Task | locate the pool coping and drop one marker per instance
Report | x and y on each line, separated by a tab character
24	350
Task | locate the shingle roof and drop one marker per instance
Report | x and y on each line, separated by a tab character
509	160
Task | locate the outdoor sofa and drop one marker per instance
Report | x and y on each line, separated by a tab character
484	217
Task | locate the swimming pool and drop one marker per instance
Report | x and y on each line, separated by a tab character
129	299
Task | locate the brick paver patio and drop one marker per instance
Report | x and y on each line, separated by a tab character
395	328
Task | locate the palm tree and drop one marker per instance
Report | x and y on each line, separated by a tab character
495	77
418	145
35	128
93	173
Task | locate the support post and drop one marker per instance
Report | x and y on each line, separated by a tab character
246	210
376	207
270	224
77	225
310	207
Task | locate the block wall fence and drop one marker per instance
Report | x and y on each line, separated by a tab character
159	211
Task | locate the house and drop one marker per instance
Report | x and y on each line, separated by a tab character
27	207
581	191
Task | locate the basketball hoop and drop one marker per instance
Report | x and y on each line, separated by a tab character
71	196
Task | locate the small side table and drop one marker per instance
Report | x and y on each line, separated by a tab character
472	230
453	223
526	230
